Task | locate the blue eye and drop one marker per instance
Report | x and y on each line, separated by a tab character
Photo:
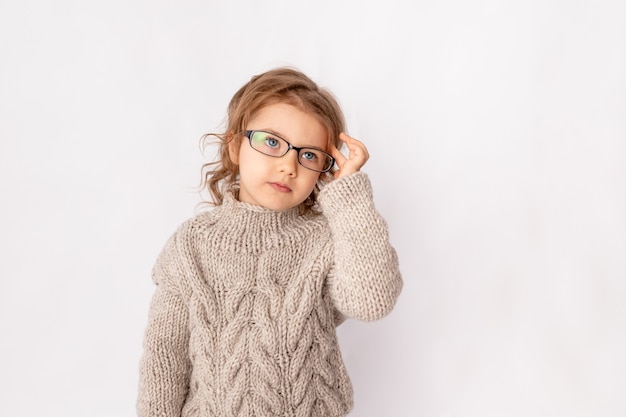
272	142
309	156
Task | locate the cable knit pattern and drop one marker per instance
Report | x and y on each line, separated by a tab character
242	322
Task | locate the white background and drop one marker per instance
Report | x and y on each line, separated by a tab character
497	131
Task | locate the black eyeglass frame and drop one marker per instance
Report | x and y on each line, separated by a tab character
249	134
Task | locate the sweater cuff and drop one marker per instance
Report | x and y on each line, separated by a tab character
346	194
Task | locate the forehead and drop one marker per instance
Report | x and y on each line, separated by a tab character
299	127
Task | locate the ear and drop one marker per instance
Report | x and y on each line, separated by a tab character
233	150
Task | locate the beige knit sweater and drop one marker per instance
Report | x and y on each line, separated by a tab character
242	322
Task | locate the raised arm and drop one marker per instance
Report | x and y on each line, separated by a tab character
366	281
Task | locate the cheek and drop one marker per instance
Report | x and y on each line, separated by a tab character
245	159
251	168
311	177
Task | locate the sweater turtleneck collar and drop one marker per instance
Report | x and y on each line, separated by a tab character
243	227
245	211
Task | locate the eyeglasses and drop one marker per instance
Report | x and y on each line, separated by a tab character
273	145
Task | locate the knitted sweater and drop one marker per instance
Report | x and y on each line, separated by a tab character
242	322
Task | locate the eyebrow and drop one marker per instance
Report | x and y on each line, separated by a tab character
273	132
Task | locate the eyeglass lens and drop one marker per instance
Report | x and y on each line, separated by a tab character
273	145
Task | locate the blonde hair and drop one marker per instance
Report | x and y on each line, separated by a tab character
280	85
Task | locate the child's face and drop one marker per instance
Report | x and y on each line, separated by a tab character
279	183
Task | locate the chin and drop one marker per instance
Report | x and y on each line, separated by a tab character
280	205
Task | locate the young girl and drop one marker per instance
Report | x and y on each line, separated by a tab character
248	296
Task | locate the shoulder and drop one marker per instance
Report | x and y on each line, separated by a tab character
178	249
191	229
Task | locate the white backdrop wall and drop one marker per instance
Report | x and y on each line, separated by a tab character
497	131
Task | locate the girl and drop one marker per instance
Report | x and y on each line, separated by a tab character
248	295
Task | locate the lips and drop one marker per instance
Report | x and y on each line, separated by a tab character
280	187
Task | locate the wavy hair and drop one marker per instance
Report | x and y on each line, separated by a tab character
280	85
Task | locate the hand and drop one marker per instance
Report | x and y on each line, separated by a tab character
357	156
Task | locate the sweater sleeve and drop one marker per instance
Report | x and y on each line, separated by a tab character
366	281
165	368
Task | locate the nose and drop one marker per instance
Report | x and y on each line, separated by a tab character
288	163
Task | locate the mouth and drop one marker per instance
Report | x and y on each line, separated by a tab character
280	187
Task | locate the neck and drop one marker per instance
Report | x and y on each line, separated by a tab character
244	227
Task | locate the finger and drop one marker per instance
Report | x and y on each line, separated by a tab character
339	157
357	149
353	143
